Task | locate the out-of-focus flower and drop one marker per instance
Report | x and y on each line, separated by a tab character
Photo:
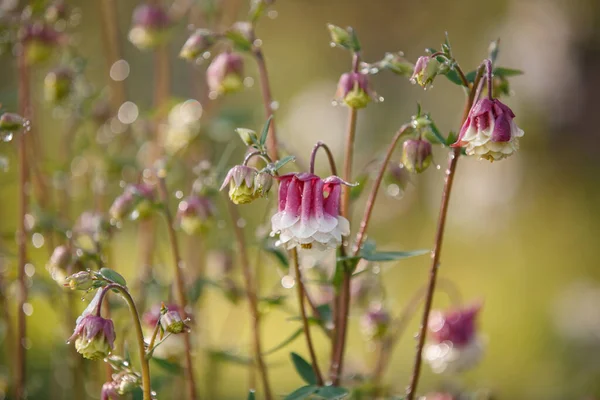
455	344
183	125
195	214
94	337
56	11
11	122
219	263
82	280
489	132
171	348
58	84
241	184
94	225
198	42
308	213
416	155
136	201
241	33
225	73
59	263
354	91
110	391
438	396
171	322
123	383
39	40
426	69
150	26
376	321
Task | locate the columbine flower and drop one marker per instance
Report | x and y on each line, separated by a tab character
489	131
60	261
198	42
171	348
241	184
136	201
416	155
94	225
94	337
375	321
456	346
263	181
195	213
309	212
57	84
150	25
225	73
426	69
353	89
39	40
171	322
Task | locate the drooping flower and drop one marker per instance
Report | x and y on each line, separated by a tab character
150	25
172	347
39	40
354	90
426	69
136	202
455	344
197	43
94	337
376	321
308	213
59	263
171	322
195	213
241	184
416	155
225	73
489	132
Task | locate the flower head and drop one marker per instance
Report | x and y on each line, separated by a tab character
241	184
225	73
308	213
136	201
354	91
39	39
455	345
171	322
194	213
426	69
150	25
94	337
198	42
375	321
59	263
489	132
416	155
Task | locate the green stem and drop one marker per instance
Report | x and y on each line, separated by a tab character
265	88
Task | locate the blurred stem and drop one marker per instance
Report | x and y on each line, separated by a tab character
265	88
112	51
305	325
437	249
24	111
179	284
251	293
135	316
342	299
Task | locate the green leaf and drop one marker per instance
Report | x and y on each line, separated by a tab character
196	290
325	313
280	163
332	392
507	72
283	344
168	366
113	276
302	393
452	137
251	395
265	131
453	77
226	356
304	369
437	135
471	76
393	255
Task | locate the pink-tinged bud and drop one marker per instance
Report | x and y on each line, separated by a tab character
426	69
58	84
455	344
39	40
263	183
171	322
198	42
416	155
11	122
110	391
82	280
489	132
241	184
137	202
150	26
121	207
309	212
173	347
59	263
225	73
94	337
353	90
376	321
396	174
195	213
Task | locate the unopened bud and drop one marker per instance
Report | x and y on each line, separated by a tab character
57	84
171	322
11	122
127	383
241	34
248	136
195	213
150	25
82	280
198	42
39	40
262	183
353	89
396	63
426	69
225	73
345	38
416	155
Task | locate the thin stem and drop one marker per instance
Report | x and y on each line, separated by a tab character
257	154
489	77
437	249
24	110
252	299
145	366
313	156
265	88
301	292
348	158
154	334
179	284
455	66
364	224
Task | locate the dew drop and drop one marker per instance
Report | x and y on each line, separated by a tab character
119	71
7	137
248	81
438	167
38	240
128	112
213	95
332	44
257	43
374	70
206	55
179	194
274	105
272	14
29	270
272	234
27	309
380	99
288	282
241	223
334	103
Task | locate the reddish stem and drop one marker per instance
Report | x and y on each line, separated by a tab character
265	88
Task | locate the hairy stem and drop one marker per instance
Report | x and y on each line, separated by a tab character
252	299
265	88
301	292
179	287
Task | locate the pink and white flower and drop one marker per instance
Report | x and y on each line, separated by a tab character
489	131
309	212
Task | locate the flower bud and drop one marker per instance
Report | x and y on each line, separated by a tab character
11	122
353	90
375	321
94	225
225	73
121	207
39	40
57	84
426	69
82	280
262	183
127	382
195	213
345	38
248	136
60	261
241	184
241	34
396	63
56	11
137	201
416	155
171	322
150	25
198	42
258	7
94	337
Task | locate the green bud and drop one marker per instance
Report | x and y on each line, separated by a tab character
345	38
241	33
416	155
248	136
396	63
171	322
83	280
262	183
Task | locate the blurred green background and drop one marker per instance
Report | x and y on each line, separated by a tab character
521	234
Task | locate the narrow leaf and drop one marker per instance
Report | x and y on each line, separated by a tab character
168	366
304	369
280	163
221	355
506	72
437	134
393	255
265	131
283	344
303	393
332	392
251	395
